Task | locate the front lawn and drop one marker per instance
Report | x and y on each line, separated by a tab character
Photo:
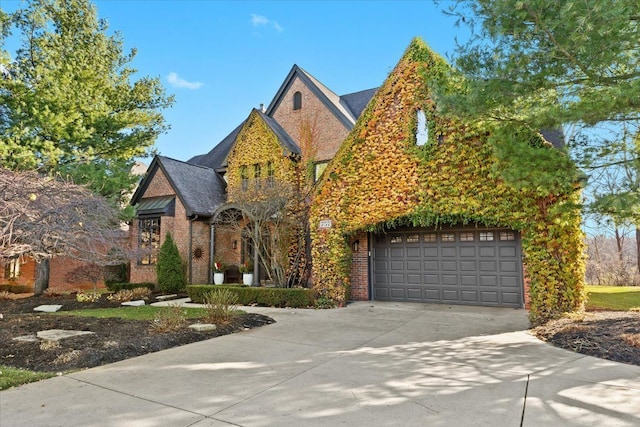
613	297
143	312
13	377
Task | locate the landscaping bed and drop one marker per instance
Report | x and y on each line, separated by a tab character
114	339
612	335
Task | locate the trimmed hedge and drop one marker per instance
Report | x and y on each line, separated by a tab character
115	287
248	295
16	289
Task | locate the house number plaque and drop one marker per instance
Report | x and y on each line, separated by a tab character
325	223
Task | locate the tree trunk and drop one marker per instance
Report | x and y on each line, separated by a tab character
42	277
638	248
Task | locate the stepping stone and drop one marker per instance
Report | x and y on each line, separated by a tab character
48	308
166	297
59	334
203	327
27	338
133	303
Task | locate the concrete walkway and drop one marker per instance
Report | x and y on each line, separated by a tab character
369	364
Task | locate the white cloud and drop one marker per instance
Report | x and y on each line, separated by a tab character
176	81
259	20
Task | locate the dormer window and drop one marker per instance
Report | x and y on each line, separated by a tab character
297	101
256	174
244	178
422	129
271	174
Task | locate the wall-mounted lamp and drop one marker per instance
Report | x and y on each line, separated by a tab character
234	244
356	245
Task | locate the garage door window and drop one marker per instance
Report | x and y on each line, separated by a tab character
430	238
448	237
486	236
413	238
507	235
467	236
396	239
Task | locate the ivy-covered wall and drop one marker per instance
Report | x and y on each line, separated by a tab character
381	178
256	143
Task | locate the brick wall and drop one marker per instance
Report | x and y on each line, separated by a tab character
330	132
360	268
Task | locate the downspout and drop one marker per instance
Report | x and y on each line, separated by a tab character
256	261
191	249
212	236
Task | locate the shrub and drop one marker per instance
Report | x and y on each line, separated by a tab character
115	287
169	269
87	297
248	295
170	318
16	289
130	294
220	305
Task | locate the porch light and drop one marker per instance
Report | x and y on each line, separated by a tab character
356	245
234	244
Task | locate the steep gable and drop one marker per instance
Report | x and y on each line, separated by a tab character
260	143
200	189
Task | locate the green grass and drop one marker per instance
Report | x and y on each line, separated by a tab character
13	377
613	297
143	312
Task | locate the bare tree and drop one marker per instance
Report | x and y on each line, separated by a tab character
42	217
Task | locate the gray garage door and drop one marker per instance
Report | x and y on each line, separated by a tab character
465	266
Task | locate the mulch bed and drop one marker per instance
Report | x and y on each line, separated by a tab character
114	339
612	335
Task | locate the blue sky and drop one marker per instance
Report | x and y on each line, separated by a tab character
220	59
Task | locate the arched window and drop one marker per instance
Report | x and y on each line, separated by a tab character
297	101
422	129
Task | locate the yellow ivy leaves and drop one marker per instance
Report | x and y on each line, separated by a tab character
380	177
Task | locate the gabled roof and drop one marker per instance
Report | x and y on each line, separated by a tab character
324	94
283	137
200	188
357	101
217	157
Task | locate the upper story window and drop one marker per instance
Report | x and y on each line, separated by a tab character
319	169
271	174
256	174
149	239
244	178
422	129
297	101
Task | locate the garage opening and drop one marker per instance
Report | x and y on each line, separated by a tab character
451	266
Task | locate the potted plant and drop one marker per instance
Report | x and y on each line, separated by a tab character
218	272
246	269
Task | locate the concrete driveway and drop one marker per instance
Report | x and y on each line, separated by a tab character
371	363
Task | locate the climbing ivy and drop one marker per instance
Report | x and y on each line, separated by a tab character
381	179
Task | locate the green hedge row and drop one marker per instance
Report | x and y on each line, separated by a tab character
248	295
115	287
16	289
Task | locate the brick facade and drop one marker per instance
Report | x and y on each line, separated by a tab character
329	131
360	268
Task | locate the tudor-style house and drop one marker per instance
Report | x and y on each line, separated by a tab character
404	204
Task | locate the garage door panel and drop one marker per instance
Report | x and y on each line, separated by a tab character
414	252
430	265
396	252
487	251
414	294
397	265
413	265
468	251
450	252
468	295
488	280
449	295
414	279
468	266
467	280
465	266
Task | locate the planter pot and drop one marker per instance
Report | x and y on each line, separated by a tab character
218	278
247	279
